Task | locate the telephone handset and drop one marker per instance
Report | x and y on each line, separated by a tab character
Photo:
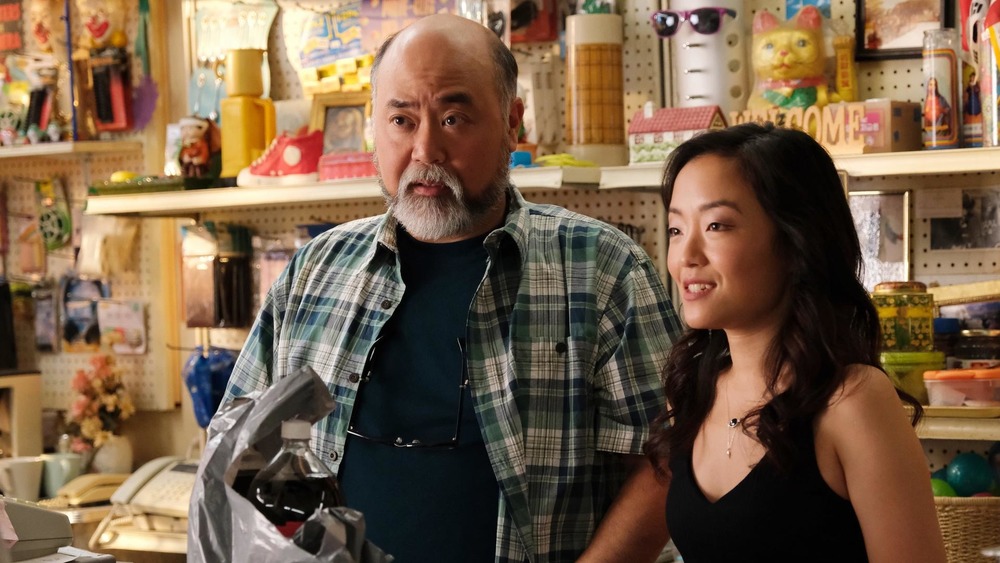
162	487
92	488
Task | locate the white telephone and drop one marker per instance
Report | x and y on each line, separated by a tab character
149	510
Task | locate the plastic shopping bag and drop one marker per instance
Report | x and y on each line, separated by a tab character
225	526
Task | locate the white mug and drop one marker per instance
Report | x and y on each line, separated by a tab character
21	477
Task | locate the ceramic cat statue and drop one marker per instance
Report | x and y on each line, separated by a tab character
789	61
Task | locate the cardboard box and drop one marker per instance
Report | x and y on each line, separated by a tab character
891	126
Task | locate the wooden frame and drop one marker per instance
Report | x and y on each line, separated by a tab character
341	117
885	16
882	220
975	305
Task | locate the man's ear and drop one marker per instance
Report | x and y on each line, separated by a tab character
514	119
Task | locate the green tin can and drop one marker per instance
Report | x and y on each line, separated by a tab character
906	315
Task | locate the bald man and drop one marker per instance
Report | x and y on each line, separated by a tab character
495	362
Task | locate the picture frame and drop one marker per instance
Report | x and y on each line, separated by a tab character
975	305
341	116
893	29
882	220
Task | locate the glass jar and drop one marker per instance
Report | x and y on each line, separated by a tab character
906	316
977	349
946	331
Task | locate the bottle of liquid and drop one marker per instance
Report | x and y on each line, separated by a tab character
295	483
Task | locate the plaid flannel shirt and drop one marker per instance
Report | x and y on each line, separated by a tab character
567	336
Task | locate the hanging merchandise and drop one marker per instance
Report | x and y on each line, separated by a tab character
206	376
78	299
123	326
46	319
146	93
103	87
216	276
54	220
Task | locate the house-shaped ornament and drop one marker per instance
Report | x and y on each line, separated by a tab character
653	134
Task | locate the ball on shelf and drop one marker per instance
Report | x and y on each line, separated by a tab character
941	488
970	473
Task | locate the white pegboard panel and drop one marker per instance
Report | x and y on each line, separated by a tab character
641	210
944	267
150	387
940	452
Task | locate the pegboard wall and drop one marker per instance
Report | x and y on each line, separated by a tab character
635	209
145	377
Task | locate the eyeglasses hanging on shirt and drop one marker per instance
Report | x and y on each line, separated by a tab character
400	441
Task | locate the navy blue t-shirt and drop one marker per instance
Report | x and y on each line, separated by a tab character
426	504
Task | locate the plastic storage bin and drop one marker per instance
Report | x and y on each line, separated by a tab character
969	387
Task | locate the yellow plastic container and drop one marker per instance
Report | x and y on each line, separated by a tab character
906	370
247	130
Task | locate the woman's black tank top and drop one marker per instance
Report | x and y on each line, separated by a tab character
768	517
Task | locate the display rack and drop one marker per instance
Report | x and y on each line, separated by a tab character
193	202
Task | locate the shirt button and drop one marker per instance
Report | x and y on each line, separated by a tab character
560	347
386	304
334	456
353	378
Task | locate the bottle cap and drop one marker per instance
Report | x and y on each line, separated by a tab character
295	429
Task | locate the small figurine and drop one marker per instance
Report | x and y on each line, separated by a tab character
8	128
54	132
789	61
195	148
34	134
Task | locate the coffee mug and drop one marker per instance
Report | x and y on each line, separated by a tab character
21	477
60	469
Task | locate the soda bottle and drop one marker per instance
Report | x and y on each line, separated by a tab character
295	482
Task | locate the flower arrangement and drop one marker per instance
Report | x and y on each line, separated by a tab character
101	404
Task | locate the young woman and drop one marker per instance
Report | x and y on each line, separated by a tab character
784	439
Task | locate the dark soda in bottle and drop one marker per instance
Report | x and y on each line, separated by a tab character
295	483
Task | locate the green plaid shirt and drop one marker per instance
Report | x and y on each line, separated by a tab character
567	336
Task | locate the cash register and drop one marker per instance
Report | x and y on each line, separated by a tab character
42	532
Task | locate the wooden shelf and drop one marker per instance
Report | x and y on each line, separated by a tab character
942	428
70	149
949	161
192	202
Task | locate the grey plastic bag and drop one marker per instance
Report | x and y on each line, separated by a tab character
225	526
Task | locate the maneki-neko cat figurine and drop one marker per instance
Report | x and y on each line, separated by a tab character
790	63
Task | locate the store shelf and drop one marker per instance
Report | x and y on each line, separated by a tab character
647	175
950	161
192	202
941	428
69	148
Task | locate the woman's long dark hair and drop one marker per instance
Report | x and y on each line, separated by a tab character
830	323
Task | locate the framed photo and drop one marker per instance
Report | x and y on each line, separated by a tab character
882	220
894	29
341	117
975	305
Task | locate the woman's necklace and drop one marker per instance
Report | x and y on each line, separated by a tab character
733	424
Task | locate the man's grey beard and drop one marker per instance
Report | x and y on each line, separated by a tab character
449	215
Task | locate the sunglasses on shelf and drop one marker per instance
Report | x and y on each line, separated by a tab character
705	21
